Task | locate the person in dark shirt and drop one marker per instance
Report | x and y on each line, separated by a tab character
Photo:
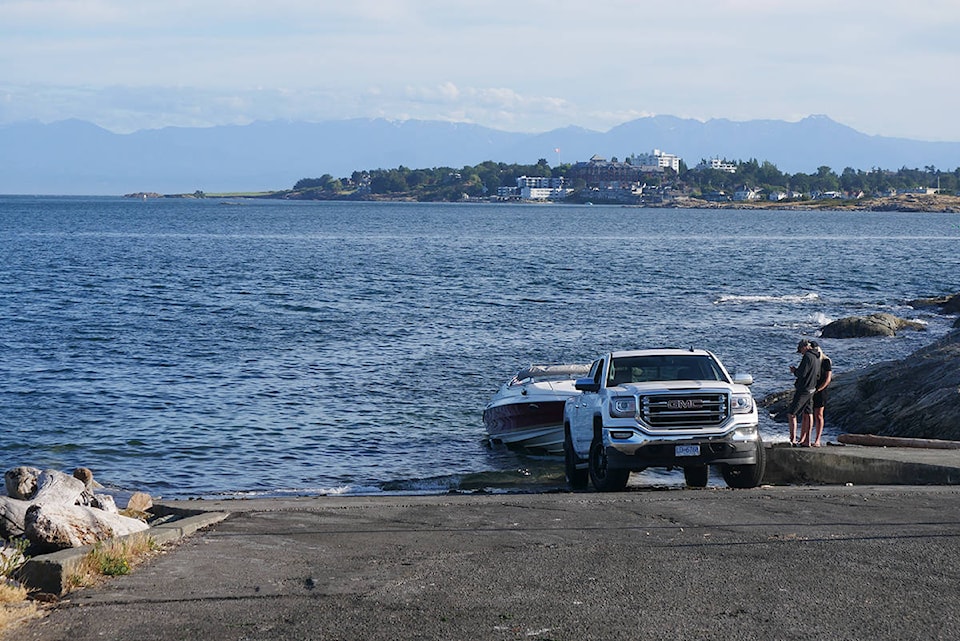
807	373
820	396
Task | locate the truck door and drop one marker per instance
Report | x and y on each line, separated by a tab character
581	423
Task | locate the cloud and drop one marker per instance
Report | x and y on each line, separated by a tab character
527	66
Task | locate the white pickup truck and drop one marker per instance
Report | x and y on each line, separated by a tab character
673	408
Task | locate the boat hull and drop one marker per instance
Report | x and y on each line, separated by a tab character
527	412
532	425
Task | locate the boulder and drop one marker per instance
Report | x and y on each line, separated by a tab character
139	502
873	325
947	304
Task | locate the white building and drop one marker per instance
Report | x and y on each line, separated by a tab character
746	193
720	165
656	161
542	188
539	182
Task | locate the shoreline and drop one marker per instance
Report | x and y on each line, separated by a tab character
930	203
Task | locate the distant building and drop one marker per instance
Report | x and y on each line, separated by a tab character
719	196
601	173
656	161
746	193
720	165
539	182
541	188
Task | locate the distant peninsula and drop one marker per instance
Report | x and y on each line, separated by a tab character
657	179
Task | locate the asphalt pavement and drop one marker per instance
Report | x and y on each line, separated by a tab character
790	562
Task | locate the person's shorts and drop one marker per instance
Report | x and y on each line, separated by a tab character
820	399
802	402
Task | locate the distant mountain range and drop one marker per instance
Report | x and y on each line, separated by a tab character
76	157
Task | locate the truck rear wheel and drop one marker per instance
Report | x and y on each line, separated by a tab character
577	479
603	478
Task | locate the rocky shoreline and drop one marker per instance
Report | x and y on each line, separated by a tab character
915	397
931	203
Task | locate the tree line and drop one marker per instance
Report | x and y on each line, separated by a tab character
448	183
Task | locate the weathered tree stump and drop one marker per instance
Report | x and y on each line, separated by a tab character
56	511
54	526
21	482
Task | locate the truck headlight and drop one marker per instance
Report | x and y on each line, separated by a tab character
741	403
623	406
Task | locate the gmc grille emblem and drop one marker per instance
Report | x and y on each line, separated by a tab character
685	404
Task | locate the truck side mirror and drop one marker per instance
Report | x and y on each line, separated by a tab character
586	385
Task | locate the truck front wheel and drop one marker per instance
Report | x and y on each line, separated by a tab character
746	476
696	475
603	478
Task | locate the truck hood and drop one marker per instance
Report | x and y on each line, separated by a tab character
675	386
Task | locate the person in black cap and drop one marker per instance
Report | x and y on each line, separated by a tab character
807	373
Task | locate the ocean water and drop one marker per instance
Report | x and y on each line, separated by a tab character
234	348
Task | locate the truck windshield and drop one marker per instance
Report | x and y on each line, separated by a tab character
641	369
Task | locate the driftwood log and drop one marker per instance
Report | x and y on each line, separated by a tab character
55	511
872	440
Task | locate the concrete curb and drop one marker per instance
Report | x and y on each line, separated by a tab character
50	573
860	466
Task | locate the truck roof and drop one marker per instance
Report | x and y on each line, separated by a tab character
660	351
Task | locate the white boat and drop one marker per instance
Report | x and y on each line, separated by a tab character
526	413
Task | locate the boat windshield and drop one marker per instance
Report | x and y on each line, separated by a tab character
536	373
680	367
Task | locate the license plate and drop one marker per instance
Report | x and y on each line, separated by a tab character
687	450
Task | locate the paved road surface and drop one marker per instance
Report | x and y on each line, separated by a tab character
774	563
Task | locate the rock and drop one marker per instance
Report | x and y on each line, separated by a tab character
139	502
872	325
85	475
956	323
947	304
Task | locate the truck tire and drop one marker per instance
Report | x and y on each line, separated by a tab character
746	476
696	475
577	479
603	478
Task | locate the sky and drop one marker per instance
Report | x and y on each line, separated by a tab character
883	67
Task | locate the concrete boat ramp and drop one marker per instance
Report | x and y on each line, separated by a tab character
867	550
